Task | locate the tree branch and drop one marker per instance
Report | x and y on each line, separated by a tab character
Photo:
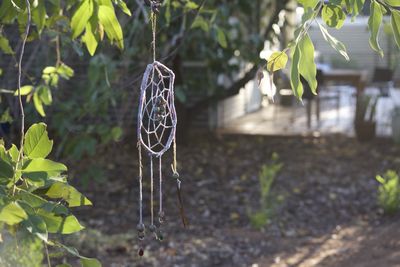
239	84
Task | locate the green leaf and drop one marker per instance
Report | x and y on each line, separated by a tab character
277	61
68	193
12	214
39	15
34	201
111	25
200	22
355	6
5	45
56	208
45	96
7	12
122	5
37	143
221	38
106	3
393	2
380	179
308	3
87	262
191	5
116	133
334	43
4	156
65	71
308	69
91	36
14	152
49	70
39	165
6	172
25	90
374	23
81	17
74	252
395	21
167	12
295	81
38	104
62	225
333	16
37	226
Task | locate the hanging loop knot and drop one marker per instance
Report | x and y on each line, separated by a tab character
154	4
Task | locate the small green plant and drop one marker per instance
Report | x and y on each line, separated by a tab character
35	197
389	192
266	178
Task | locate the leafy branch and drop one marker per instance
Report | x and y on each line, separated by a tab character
302	48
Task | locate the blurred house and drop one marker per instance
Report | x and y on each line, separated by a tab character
355	36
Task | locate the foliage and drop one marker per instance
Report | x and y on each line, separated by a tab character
266	178
82	111
35	196
26	252
394	53
73	24
41	93
389	192
334	14
90	21
95	99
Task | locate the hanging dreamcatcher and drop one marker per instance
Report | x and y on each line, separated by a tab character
156	131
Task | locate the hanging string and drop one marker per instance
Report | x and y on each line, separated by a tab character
151	191
178	186
153	29
140	184
174	168
140	227
160	213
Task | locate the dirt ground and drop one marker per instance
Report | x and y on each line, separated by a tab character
328	213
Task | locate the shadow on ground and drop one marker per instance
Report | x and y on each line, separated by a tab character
328	216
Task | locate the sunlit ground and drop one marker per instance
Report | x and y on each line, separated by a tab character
274	119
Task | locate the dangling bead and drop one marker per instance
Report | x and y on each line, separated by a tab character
175	175
141	235
141	231
161	216
141	252
140	227
152	228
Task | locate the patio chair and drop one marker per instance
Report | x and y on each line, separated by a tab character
324	93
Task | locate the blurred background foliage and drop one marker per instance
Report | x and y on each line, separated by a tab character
89	102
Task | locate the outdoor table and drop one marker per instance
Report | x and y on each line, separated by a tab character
356	78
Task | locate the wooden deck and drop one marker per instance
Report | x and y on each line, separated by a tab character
274	119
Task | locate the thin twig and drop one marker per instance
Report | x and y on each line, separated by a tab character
58	52
47	254
21	105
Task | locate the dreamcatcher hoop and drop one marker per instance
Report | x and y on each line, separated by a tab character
157	115
156	129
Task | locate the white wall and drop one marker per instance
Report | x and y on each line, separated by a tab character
248	100
355	36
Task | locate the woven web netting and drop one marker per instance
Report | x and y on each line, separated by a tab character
157	115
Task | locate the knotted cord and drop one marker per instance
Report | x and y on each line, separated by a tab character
154	29
156	126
